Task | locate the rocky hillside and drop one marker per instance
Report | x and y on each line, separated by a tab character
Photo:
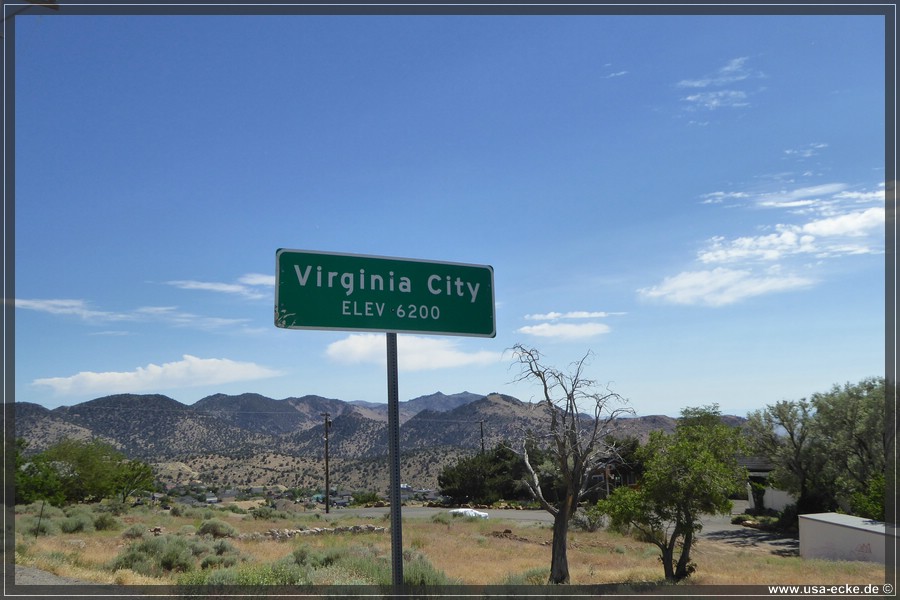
249	439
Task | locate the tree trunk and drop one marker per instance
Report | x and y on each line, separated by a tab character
559	560
681	571
668	561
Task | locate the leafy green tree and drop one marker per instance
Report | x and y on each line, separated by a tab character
687	474
35	478
485	477
849	425
578	417
783	432
86	469
869	503
132	476
365	497
827	450
94	470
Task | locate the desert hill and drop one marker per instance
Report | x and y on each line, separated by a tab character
249	439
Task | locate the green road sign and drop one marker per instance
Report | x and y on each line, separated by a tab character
317	290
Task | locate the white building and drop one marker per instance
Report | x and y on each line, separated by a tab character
834	536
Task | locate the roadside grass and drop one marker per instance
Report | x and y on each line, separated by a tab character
437	550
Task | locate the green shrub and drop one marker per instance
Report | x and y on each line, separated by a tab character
216	528
443	518
35	509
365	498
177	556
106	522
418	571
304	556
789	520
154	556
267	513
77	523
589	519
115	507
134	532
39	526
373	569
537	576
181	510
198	546
214	561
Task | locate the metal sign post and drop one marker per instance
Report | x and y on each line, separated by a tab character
393	390
348	292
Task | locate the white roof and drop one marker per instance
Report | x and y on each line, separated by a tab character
847	521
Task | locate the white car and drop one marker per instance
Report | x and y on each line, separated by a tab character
468	512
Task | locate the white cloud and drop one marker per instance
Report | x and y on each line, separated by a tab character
578	314
414	353
719	99
245	287
853	224
76	308
733	71
807	151
720	197
862	196
799	197
814	237
720	286
764	247
566	331
172	316
257	279
169	315
188	372
228	288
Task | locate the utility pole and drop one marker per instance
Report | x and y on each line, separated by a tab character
327	482
482	436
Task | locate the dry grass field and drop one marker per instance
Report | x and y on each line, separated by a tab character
447	549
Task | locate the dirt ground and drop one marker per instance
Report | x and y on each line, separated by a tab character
718	531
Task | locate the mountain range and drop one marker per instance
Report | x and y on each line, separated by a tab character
221	437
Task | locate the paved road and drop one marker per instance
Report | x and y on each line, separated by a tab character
717	528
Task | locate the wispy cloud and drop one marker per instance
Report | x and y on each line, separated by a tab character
577	314
720	197
853	231
733	71
247	285
807	151
831	222
720	286
721	89
718	99
169	315
190	371
415	353
568	331
71	307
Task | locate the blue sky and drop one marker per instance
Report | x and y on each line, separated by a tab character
697	200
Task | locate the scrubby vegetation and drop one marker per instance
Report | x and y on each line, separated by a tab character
215	546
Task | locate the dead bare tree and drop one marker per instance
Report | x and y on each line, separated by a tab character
579	418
